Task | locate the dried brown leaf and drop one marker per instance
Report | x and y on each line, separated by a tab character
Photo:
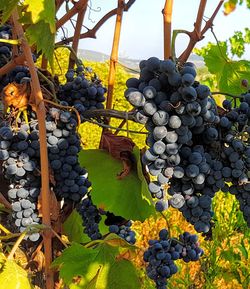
119	147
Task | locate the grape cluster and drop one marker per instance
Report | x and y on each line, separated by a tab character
63	146
20	156
180	117
91	218
162	253
190	191
193	149
124	231
235	151
21	168
5	49
80	92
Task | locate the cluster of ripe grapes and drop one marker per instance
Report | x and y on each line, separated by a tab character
162	254
20	156
92	216
193	151
82	90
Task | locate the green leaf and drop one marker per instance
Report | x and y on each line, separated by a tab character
237	44
76	261
13	276
73	228
243	249
128	197
41	35
230	256
6	8
229	73
37	10
247	35
98	267
102	227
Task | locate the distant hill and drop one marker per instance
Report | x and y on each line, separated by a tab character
96	56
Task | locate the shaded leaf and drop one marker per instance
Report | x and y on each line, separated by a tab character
41	35
127	197
96	268
73	228
6	8
75	261
230	256
13	276
243	249
102	227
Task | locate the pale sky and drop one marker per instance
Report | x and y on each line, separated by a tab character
142	27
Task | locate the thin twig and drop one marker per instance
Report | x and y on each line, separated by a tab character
66	107
197	34
108	113
5	202
15	247
227	94
6	231
50	83
12	64
77	33
77	6
59	238
91	33
113	127
10	236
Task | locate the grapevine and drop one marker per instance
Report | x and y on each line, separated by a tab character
56	193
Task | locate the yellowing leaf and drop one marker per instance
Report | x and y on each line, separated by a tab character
13	276
229	7
40	10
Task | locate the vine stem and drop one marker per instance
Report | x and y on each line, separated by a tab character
5	202
91	33
45	191
197	34
12	64
77	34
227	94
167	222
167	23
66	17
114	54
109	113
15	247
5	230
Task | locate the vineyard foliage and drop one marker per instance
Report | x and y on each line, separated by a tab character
112	237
